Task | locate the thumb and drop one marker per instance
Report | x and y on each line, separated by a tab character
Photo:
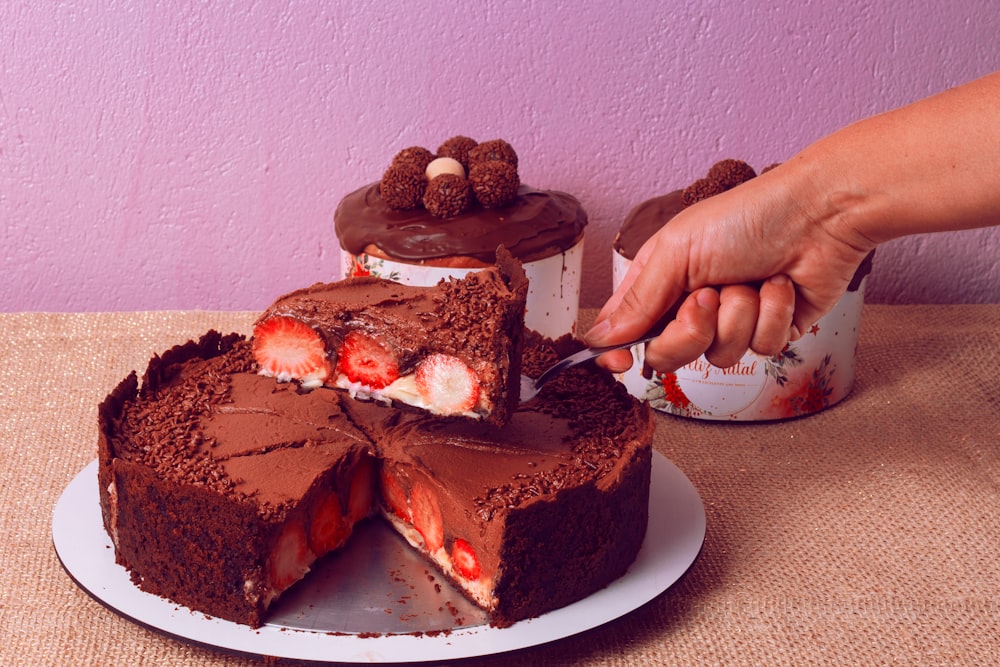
644	296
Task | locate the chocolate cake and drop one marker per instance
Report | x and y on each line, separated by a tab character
451	349
444	213
220	487
400	217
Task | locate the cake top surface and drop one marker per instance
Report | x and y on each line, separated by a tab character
467	199
206	419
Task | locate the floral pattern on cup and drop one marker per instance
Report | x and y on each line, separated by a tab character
807	376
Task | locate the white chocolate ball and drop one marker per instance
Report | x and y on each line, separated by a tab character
444	165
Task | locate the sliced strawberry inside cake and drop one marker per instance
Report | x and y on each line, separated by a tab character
452	350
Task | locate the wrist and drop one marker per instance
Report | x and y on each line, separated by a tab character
838	201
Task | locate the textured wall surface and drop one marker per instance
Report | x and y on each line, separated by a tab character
176	155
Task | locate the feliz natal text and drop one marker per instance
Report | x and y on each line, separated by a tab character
706	369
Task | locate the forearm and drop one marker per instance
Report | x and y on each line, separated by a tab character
930	166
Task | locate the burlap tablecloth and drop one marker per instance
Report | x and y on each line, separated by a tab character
866	534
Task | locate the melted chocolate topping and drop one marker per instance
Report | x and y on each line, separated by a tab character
645	220
534	225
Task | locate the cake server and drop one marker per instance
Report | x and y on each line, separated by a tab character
531	386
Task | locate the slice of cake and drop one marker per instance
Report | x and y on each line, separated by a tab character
453	349
220	488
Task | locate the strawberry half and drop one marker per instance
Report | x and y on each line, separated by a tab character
328	529
362	494
291	557
427	517
363	359
447	384
289	349
394	497
464	560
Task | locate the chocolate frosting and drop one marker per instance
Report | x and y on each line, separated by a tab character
534	225
645	220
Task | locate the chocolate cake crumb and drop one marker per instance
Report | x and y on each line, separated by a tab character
458	148
494	182
447	195
495	149
403	185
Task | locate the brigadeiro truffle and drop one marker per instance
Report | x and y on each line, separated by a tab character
494	182
402	185
417	155
730	173
495	149
447	195
723	175
703	188
457	148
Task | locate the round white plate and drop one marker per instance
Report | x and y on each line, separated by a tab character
673	540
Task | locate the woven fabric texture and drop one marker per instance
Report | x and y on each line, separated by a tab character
866	534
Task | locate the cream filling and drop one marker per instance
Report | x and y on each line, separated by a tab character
310	381
402	390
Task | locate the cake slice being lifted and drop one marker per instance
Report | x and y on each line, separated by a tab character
453	349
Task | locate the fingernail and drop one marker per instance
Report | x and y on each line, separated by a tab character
707	299
779	279
597	333
794	333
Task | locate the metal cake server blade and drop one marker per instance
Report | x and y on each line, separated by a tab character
531	386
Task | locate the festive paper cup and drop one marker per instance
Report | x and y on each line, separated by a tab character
809	375
553	284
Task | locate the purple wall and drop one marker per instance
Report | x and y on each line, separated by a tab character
178	155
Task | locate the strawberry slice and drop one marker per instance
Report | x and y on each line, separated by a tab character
328	529
289	349
427	517
362	494
394	497
447	384
291	557
464	559
368	361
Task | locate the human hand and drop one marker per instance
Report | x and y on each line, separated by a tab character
759	268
